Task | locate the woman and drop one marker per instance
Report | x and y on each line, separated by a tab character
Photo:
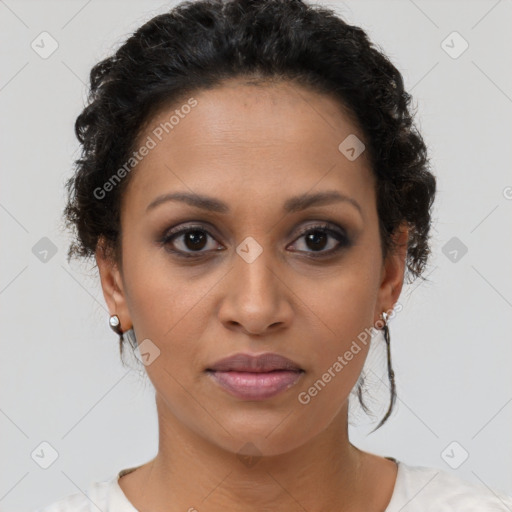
254	193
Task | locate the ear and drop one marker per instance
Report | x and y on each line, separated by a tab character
112	284
392	276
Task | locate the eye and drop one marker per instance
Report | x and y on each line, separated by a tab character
317	238
193	241
187	241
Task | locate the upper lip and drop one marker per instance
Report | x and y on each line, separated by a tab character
254	363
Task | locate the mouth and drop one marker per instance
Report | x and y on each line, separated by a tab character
257	378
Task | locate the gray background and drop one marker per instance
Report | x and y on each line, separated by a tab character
62	381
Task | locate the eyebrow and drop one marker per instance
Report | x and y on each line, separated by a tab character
291	205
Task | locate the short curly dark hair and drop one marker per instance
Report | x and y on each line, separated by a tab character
197	45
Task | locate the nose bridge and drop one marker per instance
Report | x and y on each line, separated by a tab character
253	297
255	269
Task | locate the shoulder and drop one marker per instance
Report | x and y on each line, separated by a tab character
420	488
106	496
96	497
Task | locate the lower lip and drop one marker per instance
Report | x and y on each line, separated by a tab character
256	386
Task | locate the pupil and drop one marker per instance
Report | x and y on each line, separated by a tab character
314	237
196	238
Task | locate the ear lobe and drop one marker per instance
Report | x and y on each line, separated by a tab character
112	284
393	271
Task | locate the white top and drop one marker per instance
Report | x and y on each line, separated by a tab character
417	489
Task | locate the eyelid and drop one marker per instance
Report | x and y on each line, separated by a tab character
200	225
325	225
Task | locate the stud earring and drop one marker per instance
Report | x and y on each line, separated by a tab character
115	324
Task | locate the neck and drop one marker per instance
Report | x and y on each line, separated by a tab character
327	473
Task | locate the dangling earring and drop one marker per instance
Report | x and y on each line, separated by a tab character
391	373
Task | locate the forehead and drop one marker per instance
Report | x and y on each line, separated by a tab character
273	139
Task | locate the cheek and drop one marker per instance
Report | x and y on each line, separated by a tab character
344	300
170	312
161	296
171	306
342	309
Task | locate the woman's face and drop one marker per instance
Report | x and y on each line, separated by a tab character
246	279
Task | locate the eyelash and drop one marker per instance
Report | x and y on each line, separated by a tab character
343	240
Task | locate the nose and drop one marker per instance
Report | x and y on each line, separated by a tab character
256	299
